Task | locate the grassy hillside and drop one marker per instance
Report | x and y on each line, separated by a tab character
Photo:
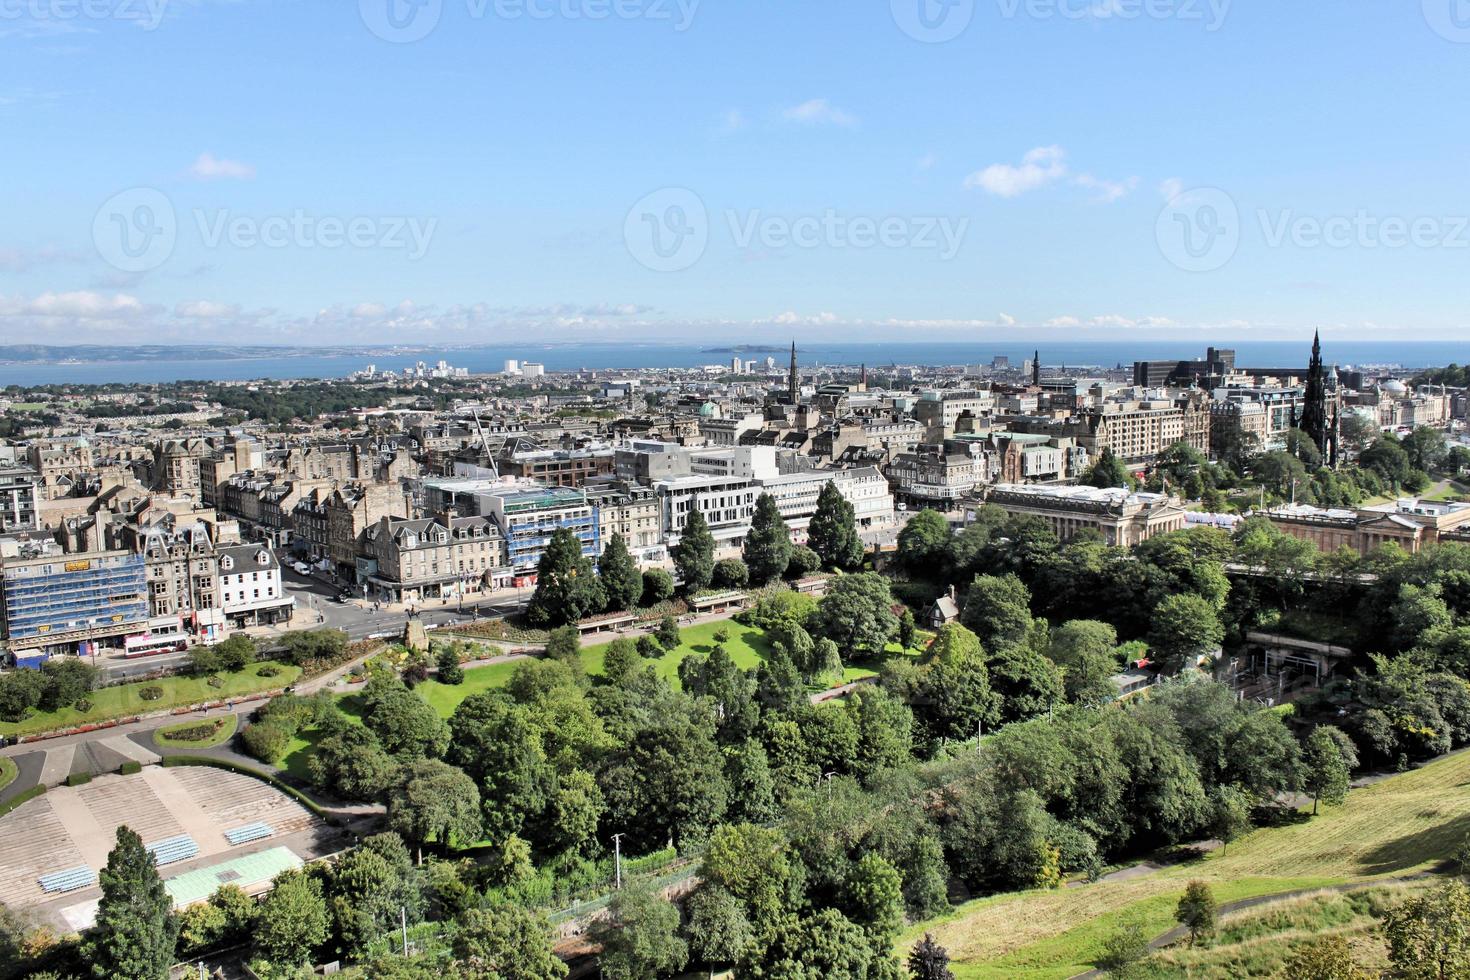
1255	943
1397	826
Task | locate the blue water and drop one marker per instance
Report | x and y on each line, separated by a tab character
567	357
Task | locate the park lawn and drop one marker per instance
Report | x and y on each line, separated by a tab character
124	701
747	646
1395	827
223	733
444	698
8	771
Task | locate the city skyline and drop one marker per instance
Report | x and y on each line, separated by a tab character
1079	171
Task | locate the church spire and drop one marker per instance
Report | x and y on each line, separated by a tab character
793	380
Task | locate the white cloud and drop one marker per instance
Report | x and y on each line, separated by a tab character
1108	191
818	112
81	304
926	162
211	167
1063	321
733	121
205	310
1042	166
1171	188
1006	320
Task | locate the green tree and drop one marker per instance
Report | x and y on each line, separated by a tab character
236	652
1086	650
640	938
498	743
136	927
1429	935
1197	911
923	544
874	893
448	669
754	865
1230	817
907	629
504	941
293	920
567	590
621	579
857	613
719	932
203	660
998	609
658	586
694	555
1326	772
768	545
833	533
620	663
667	781
1123	951
1185	627
667	633
731	573
434	801
929	961
406	724
365	895
564	645
351	763
823	945
1107	471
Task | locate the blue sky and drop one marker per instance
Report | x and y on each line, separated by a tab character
1047	171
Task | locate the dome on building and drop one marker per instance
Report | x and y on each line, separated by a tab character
1396	387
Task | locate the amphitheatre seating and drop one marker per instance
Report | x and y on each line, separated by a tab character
173	849
68	881
249	832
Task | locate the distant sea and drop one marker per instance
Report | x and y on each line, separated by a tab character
567	357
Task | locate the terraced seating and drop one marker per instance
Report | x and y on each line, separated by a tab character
249	832
69	880
173	849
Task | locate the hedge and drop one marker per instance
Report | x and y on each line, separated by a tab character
25	797
79	779
130	768
265	777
